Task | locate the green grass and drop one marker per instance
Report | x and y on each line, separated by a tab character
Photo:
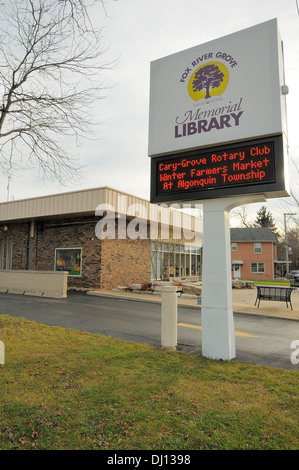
271	283
62	389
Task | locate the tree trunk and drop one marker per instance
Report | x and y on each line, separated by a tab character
208	92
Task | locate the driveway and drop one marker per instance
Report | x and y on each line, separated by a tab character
261	341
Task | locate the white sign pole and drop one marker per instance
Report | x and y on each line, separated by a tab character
218	335
204	107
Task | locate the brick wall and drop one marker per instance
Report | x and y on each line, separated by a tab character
19	234
125	262
105	263
245	252
70	233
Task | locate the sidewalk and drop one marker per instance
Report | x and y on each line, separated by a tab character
243	302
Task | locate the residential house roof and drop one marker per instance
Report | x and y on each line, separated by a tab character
256	234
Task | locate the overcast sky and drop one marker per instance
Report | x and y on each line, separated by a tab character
138	32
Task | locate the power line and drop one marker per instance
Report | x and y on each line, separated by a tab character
290	214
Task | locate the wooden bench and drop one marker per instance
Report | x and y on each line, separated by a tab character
276	293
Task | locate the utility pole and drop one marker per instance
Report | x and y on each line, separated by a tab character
286	240
8	184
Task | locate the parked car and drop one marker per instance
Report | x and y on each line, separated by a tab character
294	274
294	278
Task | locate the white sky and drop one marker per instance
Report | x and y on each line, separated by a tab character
139	31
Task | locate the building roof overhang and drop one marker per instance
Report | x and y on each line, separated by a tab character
95	201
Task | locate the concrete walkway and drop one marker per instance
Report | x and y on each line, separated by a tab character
243	302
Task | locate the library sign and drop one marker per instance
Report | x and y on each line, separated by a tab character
216	120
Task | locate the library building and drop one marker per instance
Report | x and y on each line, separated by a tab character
102	238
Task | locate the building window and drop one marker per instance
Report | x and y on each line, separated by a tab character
69	259
257	248
169	260
234	246
257	268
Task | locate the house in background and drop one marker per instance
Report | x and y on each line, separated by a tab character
253	253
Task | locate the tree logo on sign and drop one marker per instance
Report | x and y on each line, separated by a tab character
208	80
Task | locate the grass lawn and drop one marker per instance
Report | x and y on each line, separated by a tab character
63	389
271	283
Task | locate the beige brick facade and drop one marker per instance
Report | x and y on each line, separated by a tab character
125	262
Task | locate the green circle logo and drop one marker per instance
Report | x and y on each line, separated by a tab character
208	80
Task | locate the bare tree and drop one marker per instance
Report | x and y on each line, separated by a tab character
50	62
242	213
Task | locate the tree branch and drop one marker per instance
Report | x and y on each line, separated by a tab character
50	62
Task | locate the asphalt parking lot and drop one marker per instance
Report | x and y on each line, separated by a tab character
260	339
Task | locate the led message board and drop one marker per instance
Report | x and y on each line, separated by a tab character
242	168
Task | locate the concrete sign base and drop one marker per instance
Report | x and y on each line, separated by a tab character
169	318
